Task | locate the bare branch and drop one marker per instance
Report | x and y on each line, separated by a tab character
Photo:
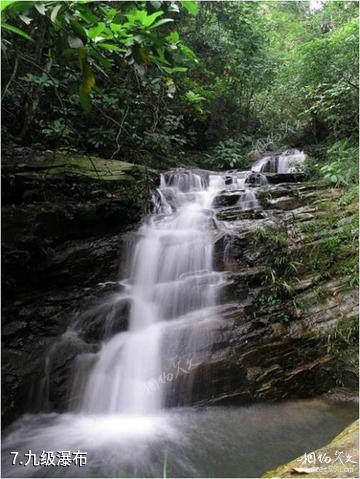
12	76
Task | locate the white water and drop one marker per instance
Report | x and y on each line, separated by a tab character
290	161
172	282
173	290
171	276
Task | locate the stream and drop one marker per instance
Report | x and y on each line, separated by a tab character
118	405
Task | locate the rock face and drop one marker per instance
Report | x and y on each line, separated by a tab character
343	453
287	329
64	220
289	326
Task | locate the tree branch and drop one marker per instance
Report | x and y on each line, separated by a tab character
12	76
119	133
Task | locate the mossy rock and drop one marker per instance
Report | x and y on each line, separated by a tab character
346	442
60	165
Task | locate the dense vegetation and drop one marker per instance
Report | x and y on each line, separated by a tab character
170	83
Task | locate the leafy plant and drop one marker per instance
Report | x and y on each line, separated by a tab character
342	169
99	36
228	154
345	333
349	196
332	244
259	234
314	262
264	195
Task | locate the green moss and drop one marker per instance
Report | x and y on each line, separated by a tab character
322	292
270	235
345	333
310	227
347	441
85	166
264	195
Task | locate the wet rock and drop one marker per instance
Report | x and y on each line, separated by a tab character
60	368
256	179
285	203
343	446
64	216
238	214
60	251
104	320
278	347
275	178
181	178
226	199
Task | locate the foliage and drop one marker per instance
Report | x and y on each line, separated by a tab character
108	56
345	334
342	169
228	154
98	36
349	196
284	267
270	235
164	80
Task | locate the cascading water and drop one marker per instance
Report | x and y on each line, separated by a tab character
290	161
172	275
170	307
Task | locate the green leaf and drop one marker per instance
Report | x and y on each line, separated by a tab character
141	17
151	18
116	27
174	7
88	17
111	47
54	12
173	37
111	14
188	53
191	7
25	19
161	22
194	97
6	3
175	70
40	7
79	30
95	31
16	30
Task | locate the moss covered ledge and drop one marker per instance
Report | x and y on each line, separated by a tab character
344	446
31	176
53	164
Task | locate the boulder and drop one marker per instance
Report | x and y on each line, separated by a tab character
343	454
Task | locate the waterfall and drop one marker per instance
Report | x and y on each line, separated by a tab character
290	161
171	291
167	317
172	288
170	277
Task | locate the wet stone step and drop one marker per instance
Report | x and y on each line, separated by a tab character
227	199
275	178
236	214
285	203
